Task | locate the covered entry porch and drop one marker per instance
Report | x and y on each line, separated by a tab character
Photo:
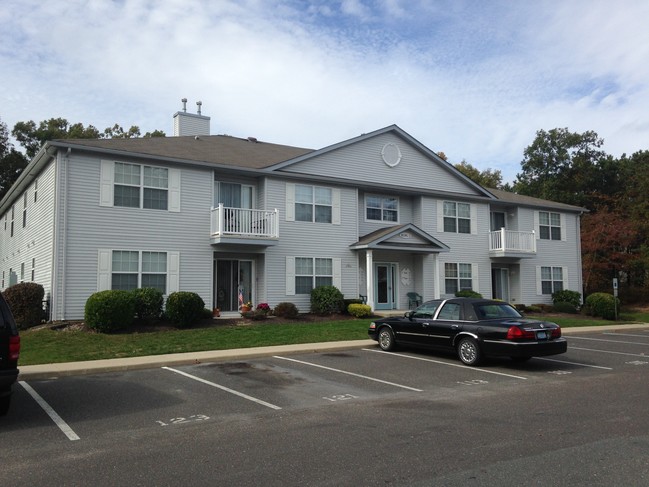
395	261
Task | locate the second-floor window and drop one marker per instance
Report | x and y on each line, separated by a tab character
457	217
313	204
138	186
549	225
382	208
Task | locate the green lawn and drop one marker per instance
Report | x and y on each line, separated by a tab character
50	346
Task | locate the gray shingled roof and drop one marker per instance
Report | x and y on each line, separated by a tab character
215	149
519	199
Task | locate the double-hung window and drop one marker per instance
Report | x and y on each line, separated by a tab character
551	280
311	273
458	277
313	204
549	225
457	217
138	186
382	208
135	269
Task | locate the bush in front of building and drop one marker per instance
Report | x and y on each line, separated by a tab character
566	296
564	307
184	308
108	311
468	293
359	310
286	310
148	303
326	300
602	304
26	302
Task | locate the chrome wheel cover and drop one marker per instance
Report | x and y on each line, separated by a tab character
468	351
385	340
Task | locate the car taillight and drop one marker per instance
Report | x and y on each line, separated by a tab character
516	333
556	332
14	347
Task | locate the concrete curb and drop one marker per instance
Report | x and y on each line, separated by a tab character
52	371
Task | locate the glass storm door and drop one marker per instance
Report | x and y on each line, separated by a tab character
385	286
233	277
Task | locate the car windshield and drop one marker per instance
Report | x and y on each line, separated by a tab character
426	310
496	310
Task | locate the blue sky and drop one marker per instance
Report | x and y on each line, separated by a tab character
474	79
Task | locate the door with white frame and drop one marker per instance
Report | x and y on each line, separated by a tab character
385	286
500	283
233	283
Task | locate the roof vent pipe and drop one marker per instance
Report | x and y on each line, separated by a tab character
199	103
184	100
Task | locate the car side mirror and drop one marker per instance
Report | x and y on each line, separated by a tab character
408	314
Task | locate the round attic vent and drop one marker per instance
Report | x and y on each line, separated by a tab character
391	154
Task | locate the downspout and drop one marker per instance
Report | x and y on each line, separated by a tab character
64	227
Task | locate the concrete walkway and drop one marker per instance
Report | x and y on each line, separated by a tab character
51	371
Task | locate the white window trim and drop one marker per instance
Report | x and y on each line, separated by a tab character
473	212
336	268
335	204
539	286
105	271
107	185
382	196
537	226
475	281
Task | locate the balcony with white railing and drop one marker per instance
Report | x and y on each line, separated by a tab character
244	226
510	243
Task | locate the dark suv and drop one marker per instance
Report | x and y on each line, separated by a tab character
9	351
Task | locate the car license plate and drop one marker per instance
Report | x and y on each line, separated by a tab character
541	335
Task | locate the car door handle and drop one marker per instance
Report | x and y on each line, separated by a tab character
425	324
455	327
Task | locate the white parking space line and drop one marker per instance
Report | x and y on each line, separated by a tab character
607	341
626	335
223	388
610	351
348	373
58	421
573	363
477	369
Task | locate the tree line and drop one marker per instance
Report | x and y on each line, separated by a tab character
559	165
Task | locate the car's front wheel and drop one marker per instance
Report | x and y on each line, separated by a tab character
468	351
386	339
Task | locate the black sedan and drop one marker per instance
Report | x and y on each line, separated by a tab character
474	328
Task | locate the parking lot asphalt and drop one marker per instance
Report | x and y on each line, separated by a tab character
48	371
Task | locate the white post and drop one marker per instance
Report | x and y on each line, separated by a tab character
502	237
221	218
276	225
369	271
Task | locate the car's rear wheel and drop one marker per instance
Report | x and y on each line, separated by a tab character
468	351
386	339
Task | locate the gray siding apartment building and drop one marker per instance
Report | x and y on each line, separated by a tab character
378	216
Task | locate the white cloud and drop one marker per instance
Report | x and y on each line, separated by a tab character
471	79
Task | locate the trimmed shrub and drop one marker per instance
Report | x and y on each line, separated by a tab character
26	302
602	304
567	296
148	303
286	310
468	293
564	307
108	311
347	302
359	310
184	308
326	300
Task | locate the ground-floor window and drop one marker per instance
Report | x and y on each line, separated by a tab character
457	277
551	280
135	269
311	272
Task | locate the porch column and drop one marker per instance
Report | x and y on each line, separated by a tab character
437	280
369	280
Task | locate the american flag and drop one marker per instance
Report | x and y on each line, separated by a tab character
240	297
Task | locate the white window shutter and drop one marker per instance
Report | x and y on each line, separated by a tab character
173	272
440	216
539	288
536	226
338	271
290	276
335	210
475	279
174	190
106	181
564	275
563	226
104	269
474	219
290	203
